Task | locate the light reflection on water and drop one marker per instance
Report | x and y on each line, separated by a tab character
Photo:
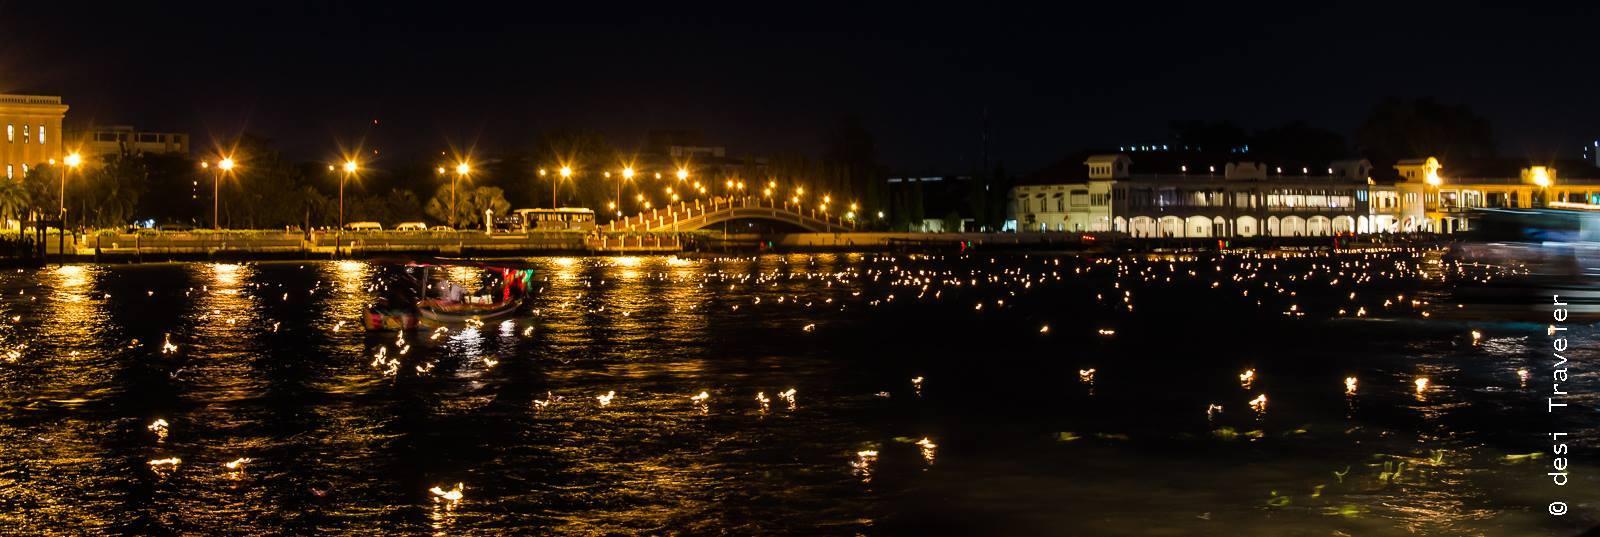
1109	422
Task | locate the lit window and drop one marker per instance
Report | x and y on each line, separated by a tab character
41	135
11	133
24	166
26	134
10	172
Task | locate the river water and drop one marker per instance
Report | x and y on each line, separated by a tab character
845	394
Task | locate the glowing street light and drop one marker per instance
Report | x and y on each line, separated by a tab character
627	175
73	161
350	167
223	166
462	171
555	186
683	173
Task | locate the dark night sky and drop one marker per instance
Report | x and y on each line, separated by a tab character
1053	81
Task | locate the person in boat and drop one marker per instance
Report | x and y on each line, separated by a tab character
451	292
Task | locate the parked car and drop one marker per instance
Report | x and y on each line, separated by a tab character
363	226
411	226
441	228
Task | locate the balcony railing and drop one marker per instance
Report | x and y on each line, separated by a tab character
30	99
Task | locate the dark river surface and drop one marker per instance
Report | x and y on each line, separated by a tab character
1003	394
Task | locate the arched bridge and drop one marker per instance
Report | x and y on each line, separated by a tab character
689	216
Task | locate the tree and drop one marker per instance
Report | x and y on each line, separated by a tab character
471	202
266	190
42	184
1398	129
14	201
172	178
396	206
851	167
108	193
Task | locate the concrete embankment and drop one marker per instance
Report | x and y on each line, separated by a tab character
146	247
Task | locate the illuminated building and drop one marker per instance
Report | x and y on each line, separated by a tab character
1189	195
32	130
1195	195
115	139
1451	193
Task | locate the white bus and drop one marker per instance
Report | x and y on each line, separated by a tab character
562	219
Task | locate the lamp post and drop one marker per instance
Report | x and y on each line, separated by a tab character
223	166
566	172
73	161
616	204
462	169
627	175
350	167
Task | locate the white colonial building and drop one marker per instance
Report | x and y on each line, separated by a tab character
1183	195
1187	195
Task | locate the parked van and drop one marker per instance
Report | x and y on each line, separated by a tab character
363	226
411	226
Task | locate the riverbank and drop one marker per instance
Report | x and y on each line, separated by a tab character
111	247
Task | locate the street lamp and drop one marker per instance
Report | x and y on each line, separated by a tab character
627	175
462	169
566	172
223	166
350	167
683	173
73	161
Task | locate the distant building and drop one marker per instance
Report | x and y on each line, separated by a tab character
32	126
1452	193
1196	195
933	203
115	139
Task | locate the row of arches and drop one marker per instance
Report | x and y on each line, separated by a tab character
1245	226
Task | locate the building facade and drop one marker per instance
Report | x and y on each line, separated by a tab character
1235	199
117	139
32	130
1249	199
1453	195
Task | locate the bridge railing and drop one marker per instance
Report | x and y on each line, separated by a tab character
686	213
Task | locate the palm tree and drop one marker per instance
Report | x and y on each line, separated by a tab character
14	200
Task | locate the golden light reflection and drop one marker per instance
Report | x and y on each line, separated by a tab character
788	397
928	449
225	274
72	276
159	427
862	465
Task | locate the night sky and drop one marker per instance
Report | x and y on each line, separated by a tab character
760	79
